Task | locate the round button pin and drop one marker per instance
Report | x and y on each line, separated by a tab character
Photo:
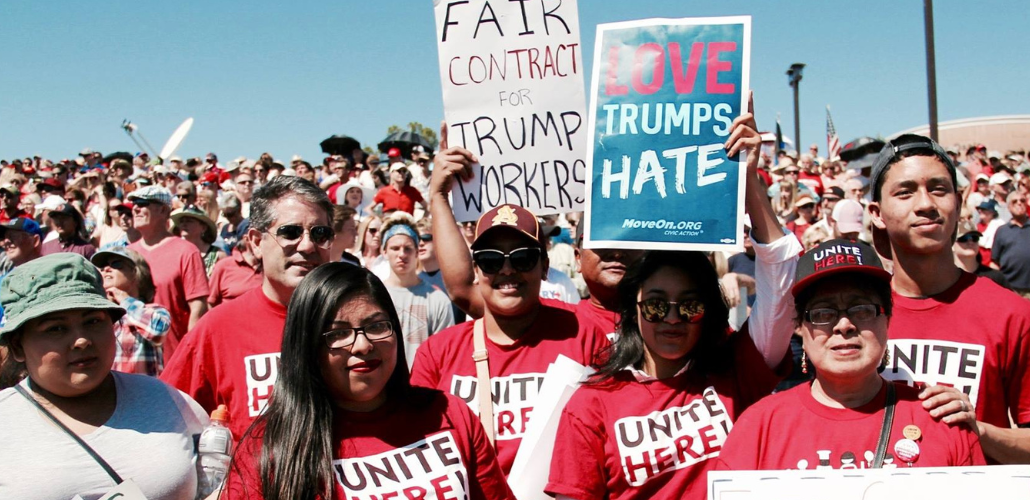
912	432
907	450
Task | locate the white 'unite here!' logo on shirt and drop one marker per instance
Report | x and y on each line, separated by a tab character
672	439
262	371
514	397
427	469
937	362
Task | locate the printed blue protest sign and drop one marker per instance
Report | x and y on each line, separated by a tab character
663	95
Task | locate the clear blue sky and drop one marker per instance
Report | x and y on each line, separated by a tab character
281	76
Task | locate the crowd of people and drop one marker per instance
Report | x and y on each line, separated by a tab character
366	343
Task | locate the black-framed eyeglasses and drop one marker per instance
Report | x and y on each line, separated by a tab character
655	309
823	316
343	338
291	234
491	261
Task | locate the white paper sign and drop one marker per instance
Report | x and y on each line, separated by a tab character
938	483
532	463
513	94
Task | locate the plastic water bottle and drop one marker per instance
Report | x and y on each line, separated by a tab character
215	450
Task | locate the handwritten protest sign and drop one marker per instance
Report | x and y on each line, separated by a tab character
663	96
512	78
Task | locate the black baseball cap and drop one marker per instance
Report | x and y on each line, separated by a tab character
900	144
836	257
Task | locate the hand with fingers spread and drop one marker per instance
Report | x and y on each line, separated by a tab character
949	405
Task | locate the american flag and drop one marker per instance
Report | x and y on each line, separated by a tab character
832	141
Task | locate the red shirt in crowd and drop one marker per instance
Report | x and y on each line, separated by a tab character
7	217
975	337
445	362
402	450
813	181
179	277
596	316
232	357
231	278
790	430
392	199
636	437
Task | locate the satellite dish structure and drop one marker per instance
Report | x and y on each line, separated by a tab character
176	139
170	146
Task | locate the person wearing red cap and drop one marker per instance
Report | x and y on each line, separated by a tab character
843	304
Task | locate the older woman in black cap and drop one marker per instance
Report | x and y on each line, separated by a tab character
849	417
72	426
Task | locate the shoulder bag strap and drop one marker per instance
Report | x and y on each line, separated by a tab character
107	468
482	359
885	431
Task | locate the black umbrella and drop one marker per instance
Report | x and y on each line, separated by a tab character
340	145
119	155
860	147
404	141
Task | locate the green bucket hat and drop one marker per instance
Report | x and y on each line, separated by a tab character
57	282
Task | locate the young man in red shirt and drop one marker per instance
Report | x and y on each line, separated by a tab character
964	336
232	356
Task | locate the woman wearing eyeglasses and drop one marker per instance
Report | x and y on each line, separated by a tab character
343	421
849	417
651	420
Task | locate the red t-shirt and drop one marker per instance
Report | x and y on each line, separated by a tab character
791	430
813	181
179	277
401	450
656	438
597	317
975	336
445	362
6	217
232	357
231	278
392	199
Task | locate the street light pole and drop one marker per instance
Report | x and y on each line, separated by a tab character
931	67
794	79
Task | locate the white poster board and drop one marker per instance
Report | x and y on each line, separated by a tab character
938	483
513	94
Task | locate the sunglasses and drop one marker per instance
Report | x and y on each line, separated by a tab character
425	237
492	261
117	264
244	183
291	234
655	309
969	238
142	203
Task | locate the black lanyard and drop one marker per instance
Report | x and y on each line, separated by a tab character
107	468
885	432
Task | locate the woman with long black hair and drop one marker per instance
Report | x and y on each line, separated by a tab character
343	421
661	404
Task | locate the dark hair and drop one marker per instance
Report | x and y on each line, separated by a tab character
629	348
864	282
932	150
262	209
341	214
297	445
